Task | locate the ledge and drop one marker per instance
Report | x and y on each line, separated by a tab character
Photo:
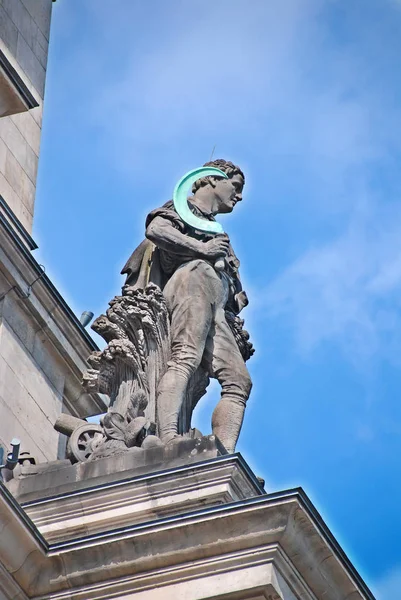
15	96
269	543
165	493
17	224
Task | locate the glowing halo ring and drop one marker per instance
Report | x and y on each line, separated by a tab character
182	191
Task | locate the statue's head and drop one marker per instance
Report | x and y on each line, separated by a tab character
226	191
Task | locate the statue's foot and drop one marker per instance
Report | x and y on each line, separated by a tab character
170	438
152	441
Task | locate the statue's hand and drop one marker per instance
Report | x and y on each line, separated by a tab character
217	247
241	300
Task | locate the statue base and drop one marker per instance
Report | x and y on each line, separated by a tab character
61	477
193	475
189	523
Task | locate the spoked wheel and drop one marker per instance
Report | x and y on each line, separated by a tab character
83	441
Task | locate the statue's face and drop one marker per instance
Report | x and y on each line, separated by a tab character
228	192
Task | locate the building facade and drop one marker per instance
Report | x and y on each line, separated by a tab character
184	521
43	347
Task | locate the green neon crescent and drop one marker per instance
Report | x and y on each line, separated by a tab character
182	191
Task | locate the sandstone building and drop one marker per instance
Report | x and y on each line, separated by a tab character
43	346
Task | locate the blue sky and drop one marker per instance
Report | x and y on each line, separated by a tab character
305	97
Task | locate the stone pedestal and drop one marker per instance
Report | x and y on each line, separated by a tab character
72	509
197	526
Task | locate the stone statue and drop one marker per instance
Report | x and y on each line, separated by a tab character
175	325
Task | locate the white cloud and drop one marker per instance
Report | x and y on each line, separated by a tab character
231	73
346	291
210	67
262	78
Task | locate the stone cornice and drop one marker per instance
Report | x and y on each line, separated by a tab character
283	529
137	499
20	87
18	226
22	548
52	313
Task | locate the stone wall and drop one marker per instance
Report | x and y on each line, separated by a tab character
31	382
43	352
200	530
24	39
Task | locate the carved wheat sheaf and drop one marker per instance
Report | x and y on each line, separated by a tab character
137	331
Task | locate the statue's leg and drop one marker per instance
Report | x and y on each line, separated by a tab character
228	367
190	298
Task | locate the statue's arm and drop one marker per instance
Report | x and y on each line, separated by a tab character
163	234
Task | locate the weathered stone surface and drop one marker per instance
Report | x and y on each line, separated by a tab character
20	181
11	101
15	141
138	499
20	166
3	156
26	123
40	480
40	11
32	400
24	33
31	65
269	546
175	325
20	17
43	351
27	27
8	31
13	426
37	115
15	203
22	366
67	423
17	320
198	274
